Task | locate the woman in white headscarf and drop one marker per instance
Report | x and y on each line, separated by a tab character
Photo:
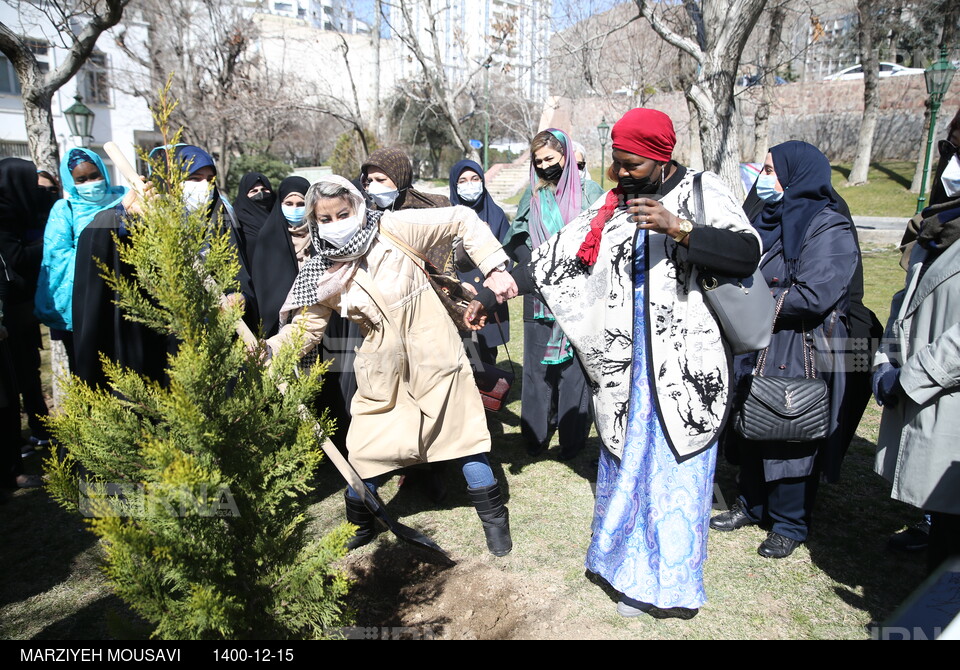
416	399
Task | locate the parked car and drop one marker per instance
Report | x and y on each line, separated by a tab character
748	80
886	70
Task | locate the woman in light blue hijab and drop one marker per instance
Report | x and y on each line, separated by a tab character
87	187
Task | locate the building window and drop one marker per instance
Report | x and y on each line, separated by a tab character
15	149
8	76
94	83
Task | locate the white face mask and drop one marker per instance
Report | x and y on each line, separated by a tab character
951	177
470	191
338	233
383	196
196	194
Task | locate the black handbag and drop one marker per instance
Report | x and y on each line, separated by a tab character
742	306
785	409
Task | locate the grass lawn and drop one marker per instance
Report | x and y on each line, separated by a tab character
887	192
834	586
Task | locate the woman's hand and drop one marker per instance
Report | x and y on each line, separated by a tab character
502	284
651	215
133	202
475	317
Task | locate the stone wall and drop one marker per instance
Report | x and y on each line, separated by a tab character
824	113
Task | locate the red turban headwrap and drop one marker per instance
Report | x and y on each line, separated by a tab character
644	132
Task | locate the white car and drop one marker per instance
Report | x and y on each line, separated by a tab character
886	70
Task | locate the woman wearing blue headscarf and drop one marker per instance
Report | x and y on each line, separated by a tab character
99	327
88	190
468	188
810	255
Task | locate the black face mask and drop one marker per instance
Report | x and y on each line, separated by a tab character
263	199
551	174
634	187
46	199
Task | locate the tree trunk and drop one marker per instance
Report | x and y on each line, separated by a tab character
40	136
376	70
871	92
719	136
768	80
722	27
696	149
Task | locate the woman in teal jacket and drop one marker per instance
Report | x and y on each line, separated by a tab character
87	187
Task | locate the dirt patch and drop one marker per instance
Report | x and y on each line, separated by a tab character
397	595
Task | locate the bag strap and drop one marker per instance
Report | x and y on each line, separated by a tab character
809	363
504	341
407	249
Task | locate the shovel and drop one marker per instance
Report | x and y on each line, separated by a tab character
370	499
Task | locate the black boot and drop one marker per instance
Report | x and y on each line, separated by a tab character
494	517
360	516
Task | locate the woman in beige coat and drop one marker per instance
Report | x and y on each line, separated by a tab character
416	400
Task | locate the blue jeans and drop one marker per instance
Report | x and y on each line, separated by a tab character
476	470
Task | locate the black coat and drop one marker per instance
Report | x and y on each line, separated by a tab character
99	326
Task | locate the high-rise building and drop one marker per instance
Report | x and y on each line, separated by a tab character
514	34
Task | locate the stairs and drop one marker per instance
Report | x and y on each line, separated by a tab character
505	180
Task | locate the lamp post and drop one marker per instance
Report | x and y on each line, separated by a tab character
938	76
486	114
603	131
80	120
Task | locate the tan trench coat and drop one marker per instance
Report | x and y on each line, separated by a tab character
416	398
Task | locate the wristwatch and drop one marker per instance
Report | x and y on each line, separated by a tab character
686	226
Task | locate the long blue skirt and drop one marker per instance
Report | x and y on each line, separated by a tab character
652	513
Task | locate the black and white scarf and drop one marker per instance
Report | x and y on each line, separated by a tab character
305	288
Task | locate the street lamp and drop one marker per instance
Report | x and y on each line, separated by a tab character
938	76
486	114
603	131
80	120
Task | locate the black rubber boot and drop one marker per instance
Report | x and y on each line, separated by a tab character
495	518
363	519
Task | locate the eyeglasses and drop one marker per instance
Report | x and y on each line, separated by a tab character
582	165
947	149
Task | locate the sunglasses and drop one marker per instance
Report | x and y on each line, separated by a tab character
582	165
50	189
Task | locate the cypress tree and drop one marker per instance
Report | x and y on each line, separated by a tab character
197	487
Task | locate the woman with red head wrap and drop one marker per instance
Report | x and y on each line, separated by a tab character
621	280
